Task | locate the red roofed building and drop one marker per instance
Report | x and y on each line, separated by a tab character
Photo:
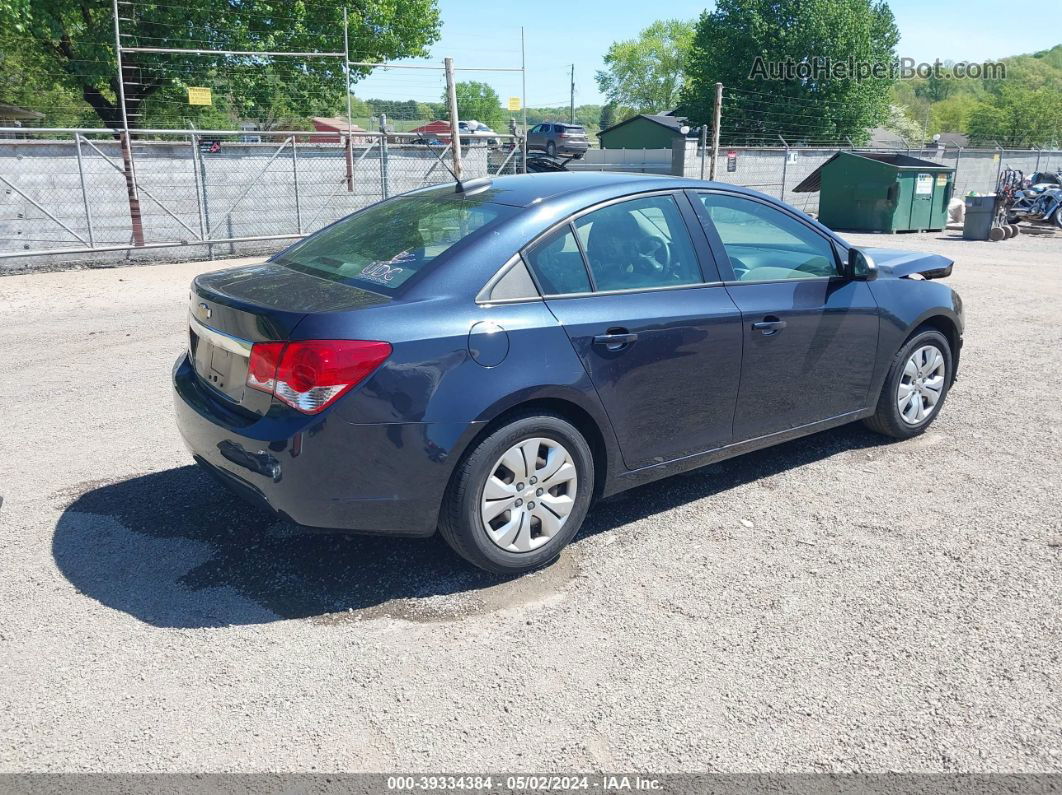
339	127
439	129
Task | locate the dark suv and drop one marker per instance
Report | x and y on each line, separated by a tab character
555	138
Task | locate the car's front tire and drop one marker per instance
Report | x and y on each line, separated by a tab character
520	495
917	384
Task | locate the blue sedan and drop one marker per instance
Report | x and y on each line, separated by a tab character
488	358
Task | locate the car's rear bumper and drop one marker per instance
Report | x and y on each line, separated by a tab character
320	471
572	148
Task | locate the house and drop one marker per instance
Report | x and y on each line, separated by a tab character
882	138
950	140
14	116
645	131
435	129
339	127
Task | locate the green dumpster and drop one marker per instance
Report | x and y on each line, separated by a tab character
881	192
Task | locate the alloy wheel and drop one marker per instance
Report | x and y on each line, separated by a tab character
529	494
921	385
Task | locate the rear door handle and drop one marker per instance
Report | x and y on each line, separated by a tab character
614	340
769	325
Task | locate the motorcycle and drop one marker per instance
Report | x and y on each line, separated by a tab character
1035	200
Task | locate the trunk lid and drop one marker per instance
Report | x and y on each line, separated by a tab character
232	309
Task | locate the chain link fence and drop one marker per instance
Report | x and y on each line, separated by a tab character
83	195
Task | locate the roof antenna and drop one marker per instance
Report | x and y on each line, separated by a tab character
460	185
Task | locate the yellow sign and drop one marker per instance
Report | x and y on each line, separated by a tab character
199	96
514	103
942	180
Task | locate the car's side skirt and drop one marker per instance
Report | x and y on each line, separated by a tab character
638	477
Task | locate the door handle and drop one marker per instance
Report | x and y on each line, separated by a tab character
769	326
615	339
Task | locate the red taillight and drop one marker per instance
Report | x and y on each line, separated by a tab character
262	367
312	374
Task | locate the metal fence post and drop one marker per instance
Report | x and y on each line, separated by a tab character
999	168
195	176
384	176
84	193
199	173
704	148
1038	150
785	166
295	177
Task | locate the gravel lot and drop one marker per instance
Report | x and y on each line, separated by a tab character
835	604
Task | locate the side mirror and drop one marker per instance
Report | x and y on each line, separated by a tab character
860	267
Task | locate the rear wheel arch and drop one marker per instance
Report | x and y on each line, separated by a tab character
567	410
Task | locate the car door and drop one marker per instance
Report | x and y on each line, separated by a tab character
534	137
641	302
810	335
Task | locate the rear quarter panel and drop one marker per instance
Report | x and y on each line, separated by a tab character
431	377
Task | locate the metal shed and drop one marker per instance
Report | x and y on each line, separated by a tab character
881	192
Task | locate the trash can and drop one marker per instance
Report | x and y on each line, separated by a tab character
881	192
980	215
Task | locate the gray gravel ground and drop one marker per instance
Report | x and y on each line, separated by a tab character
838	603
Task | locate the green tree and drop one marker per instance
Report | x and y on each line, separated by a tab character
952	114
740	35
76	40
480	102
608	116
646	73
903	125
1018	117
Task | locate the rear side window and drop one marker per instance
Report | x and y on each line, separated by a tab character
558	264
386	245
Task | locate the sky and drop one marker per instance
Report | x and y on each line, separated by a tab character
559	34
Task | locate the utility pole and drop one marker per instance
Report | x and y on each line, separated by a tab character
571	110
135	219
715	128
455	137
523	101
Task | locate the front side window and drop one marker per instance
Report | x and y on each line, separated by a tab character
558	264
384	246
765	244
641	243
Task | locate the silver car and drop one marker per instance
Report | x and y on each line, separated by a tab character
557	138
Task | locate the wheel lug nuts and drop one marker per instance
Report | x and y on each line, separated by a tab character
519	486
538	493
518	503
530	505
534	481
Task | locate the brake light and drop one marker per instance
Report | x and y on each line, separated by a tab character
312	374
262	367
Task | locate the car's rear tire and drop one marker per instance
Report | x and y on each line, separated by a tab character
551	149
919	378
508	514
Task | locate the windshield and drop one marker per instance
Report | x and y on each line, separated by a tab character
386	245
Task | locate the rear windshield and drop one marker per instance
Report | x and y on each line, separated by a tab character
384	246
572	128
